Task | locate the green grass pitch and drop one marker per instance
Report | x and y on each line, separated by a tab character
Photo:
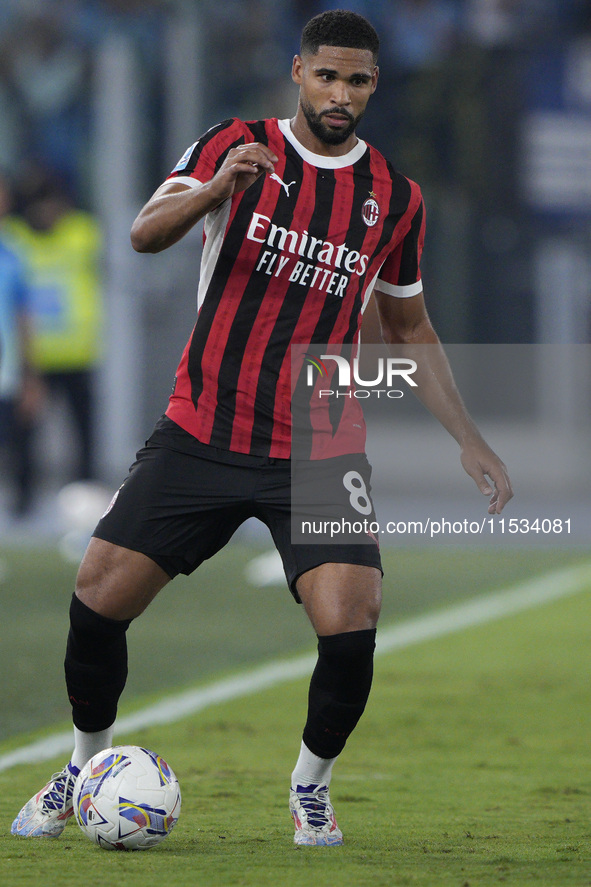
469	768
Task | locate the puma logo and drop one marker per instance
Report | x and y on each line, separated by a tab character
281	182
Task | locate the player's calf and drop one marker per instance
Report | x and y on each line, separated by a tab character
96	666
339	690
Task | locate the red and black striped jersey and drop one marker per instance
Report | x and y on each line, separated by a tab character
291	260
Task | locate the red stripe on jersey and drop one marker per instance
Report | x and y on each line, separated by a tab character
248	138
182	385
213	353
204	171
182	393
266	318
421	240
217	340
201	165
350	435
382	185
313	305
400	232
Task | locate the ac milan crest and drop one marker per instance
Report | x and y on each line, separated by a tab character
370	210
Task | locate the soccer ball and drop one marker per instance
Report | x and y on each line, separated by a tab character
126	798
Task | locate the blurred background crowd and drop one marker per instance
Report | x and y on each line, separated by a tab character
486	103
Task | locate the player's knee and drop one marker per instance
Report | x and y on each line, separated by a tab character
92	580
341	597
355	613
117	582
372	608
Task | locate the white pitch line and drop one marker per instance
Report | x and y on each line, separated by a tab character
476	611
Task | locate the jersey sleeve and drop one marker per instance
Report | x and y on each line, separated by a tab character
201	161
400	275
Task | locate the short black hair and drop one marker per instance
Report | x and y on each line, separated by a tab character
339	27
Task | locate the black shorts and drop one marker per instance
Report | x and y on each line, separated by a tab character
182	502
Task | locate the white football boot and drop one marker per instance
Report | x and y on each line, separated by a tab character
46	814
313	816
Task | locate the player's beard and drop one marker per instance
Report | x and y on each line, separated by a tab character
322	131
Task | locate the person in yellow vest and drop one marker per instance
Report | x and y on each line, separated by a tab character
60	247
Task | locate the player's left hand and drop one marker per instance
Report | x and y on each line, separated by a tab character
480	462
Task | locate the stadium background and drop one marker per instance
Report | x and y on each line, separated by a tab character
471	764
487	103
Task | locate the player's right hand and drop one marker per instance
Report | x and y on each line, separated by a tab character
481	463
243	166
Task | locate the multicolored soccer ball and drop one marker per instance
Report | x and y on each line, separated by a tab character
127	798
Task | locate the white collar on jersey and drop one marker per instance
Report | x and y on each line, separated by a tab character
319	159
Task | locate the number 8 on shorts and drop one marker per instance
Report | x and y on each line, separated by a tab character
358	494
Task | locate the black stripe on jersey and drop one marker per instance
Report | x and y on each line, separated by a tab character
230	251
223	269
399	200
401	192
223	156
257	128
354	238
409	257
250	303
200	145
280	341
259	131
356	234
363	184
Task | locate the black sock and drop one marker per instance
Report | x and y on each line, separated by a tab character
339	690
95	665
